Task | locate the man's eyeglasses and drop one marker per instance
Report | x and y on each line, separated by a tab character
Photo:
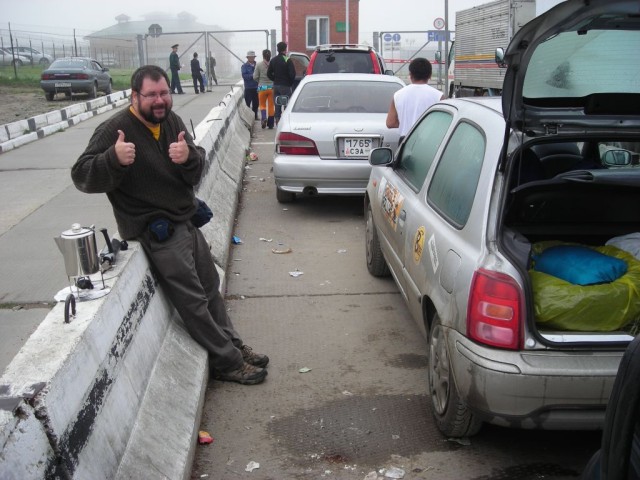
153	96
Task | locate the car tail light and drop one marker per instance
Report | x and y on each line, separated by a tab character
376	64
494	311
79	76
294	144
46	76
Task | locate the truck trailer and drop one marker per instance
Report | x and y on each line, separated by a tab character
479	31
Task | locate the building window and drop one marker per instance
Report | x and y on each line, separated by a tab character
317	31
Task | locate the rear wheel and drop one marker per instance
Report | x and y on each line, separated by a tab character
44	61
453	417
284	197
49	95
109	88
94	91
376	264
17	62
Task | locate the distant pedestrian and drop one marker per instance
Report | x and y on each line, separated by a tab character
410	102
174	66
196	73
265	90
250	85
211	68
282	72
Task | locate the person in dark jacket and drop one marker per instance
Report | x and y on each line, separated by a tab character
174	66
282	72
250	85
145	160
196	73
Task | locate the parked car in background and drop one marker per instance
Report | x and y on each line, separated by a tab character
301	62
327	130
73	75
346	58
9	59
34	55
488	214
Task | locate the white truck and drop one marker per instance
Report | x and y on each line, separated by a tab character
479	31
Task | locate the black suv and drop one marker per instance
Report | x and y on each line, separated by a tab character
346	58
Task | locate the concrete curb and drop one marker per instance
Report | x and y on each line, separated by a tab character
118	392
16	134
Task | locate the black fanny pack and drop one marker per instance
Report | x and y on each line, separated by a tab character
203	214
161	229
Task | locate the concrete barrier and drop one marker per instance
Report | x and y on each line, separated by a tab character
21	132
118	391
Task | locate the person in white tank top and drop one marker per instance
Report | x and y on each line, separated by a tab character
409	103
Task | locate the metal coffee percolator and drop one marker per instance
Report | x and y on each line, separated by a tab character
78	247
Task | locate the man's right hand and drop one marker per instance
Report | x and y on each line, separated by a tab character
125	151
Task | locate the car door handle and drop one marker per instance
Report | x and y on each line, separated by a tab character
403	215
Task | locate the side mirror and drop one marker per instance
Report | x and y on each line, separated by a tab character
617	158
389	72
380	156
438	56
281	100
499	57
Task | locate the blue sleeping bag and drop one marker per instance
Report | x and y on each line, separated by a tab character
579	265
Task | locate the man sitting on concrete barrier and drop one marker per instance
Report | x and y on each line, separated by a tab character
146	162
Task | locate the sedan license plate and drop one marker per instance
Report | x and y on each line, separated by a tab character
63	85
357	147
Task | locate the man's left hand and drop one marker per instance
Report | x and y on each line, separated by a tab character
179	151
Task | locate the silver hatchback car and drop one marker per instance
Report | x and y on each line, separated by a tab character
327	131
511	226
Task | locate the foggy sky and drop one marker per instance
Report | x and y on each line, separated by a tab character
87	16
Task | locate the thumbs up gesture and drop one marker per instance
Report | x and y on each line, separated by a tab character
179	151
125	151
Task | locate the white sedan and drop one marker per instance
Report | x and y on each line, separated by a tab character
325	134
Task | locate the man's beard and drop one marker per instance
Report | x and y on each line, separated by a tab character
150	116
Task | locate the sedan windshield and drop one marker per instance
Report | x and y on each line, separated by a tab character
346	97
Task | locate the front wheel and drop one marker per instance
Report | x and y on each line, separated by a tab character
17	63
109	88
93	93
376	264
453	417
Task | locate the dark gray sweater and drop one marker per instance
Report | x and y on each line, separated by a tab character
152	186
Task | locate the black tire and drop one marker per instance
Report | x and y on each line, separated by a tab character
17	62
109	88
94	91
452	416
44	61
285	197
376	264
49	95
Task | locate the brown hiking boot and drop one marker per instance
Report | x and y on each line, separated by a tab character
255	359
247	374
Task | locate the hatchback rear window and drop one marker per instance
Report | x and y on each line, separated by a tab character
346	97
343	62
577	64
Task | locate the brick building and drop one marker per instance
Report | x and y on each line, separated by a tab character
307	23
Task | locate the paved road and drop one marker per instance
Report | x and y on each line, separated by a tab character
38	202
363	405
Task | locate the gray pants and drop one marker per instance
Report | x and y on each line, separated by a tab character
277	91
188	275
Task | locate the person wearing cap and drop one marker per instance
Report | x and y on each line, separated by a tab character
174	66
250	85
